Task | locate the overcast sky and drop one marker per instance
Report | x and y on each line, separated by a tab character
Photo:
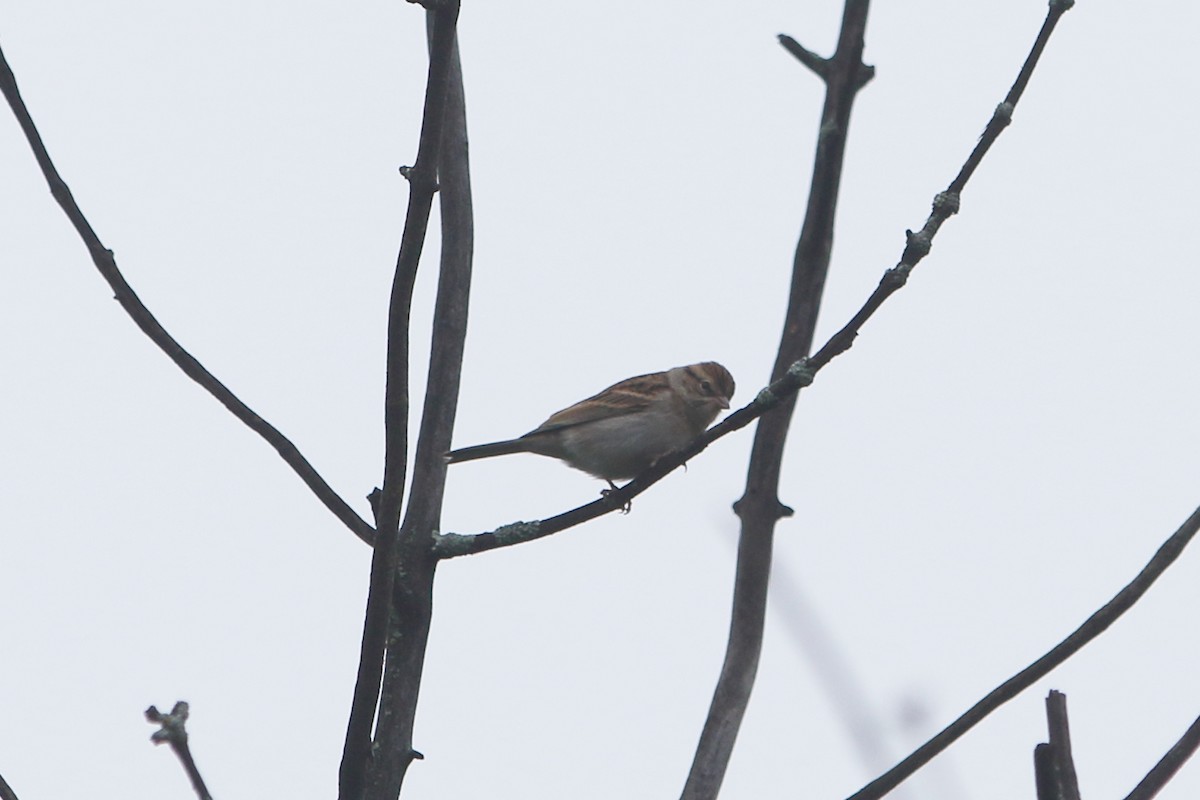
1005	446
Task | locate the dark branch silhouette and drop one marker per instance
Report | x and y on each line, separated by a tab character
1054	766
422	178
759	508
413	594
173	731
6	792
399	605
1166	768
806	57
1095	625
103	258
791	376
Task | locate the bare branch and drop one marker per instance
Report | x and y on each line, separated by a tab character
759	508
1166	768
1003	115
103	258
422	185
1054	766
174	733
1095	625
6	792
412	599
796	374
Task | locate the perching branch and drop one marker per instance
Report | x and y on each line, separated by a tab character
798	374
1166	768
1054	767
1095	625
103	258
452	545
174	733
422	177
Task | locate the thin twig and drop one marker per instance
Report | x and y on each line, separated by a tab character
1095	625
422	179
1166	768
174	733
805	56
103	258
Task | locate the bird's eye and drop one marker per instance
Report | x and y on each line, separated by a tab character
706	387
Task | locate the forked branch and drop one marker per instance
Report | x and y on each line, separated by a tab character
356	754
173	731
412	604
796	374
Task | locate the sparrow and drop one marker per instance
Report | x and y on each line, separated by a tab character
620	432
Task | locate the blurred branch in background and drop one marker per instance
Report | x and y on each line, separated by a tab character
835	673
759	508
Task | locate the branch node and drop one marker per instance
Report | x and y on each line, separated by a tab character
172	730
896	277
917	246
946	203
1061	6
373	499
418	176
864	75
777	511
820	66
1003	114
416	755
766	397
801	372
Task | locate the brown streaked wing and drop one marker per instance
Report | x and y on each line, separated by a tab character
627	397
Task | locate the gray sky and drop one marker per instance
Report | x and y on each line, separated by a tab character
1006	445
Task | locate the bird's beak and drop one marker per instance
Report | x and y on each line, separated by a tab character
721	401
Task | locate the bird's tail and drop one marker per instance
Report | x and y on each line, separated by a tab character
487	450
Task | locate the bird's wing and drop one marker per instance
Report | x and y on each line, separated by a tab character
627	397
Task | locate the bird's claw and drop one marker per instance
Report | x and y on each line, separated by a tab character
625	509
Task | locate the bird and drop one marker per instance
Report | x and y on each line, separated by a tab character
621	431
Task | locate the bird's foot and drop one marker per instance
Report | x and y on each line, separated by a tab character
625	509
